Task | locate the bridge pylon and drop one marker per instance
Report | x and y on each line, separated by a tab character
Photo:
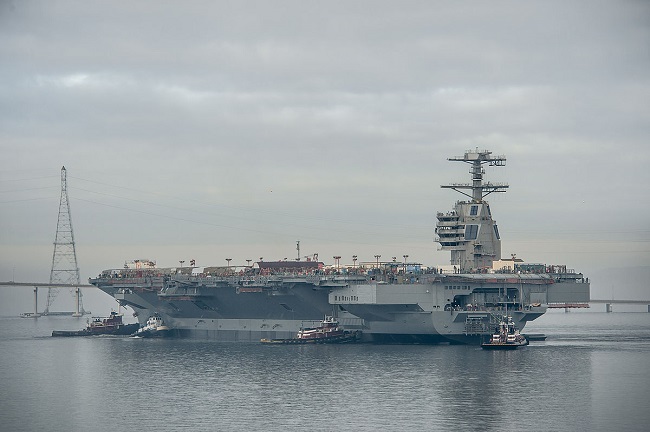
65	269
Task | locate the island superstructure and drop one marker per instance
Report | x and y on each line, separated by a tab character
469	231
387	301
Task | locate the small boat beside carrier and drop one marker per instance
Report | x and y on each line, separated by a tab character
328	332
155	327
505	337
111	325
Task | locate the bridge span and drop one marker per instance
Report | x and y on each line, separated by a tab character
45	285
608	304
37	285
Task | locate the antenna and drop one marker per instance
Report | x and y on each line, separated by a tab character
298	248
479	189
64	270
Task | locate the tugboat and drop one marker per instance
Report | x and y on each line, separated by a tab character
505	337
111	325
155	327
329	332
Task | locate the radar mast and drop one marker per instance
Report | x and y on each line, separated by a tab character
479	190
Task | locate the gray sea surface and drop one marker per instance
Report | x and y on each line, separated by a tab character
591	374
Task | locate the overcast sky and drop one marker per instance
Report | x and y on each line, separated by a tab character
211	130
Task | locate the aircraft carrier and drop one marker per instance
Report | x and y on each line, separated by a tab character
388	301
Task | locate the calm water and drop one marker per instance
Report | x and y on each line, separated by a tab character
593	373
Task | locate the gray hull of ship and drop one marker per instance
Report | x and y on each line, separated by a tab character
385	313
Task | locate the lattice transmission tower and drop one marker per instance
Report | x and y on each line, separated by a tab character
65	270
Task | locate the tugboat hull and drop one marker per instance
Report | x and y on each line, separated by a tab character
111	325
503	346
351	337
123	330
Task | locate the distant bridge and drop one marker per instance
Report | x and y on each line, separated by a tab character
621	301
600	301
608	304
45	285
37	285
